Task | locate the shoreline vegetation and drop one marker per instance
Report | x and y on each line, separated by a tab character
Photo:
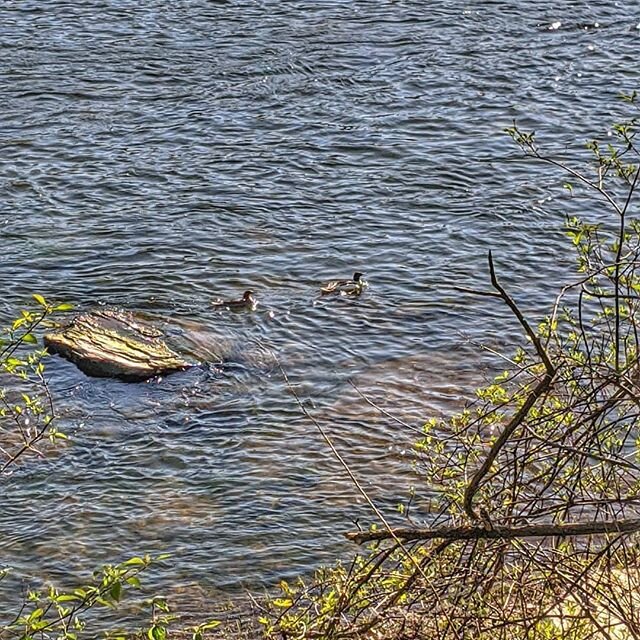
534	532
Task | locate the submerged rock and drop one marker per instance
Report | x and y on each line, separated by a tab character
115	344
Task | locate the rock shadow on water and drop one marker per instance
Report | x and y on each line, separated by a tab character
137	346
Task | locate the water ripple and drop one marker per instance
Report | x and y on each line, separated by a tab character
158	156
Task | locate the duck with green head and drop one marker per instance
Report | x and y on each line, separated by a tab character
353	287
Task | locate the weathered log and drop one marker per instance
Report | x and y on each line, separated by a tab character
114	344
566	529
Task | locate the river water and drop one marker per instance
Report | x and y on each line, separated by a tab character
156	155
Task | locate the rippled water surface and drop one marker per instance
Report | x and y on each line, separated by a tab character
158	154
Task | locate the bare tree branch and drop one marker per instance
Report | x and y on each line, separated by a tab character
498	533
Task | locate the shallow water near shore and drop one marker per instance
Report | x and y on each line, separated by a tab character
158	156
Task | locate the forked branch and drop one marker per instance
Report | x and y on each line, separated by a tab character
542	386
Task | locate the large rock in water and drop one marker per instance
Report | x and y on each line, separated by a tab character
114	344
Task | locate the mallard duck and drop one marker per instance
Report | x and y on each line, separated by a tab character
352	287
247	301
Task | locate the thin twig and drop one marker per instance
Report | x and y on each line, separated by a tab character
384	412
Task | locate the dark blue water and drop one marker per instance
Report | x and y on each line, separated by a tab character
156	155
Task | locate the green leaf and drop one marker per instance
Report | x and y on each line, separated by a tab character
103	602
157	633
65	306
40	300
67	597
283	602
35	615
212	624
134	582
116	591
29	338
